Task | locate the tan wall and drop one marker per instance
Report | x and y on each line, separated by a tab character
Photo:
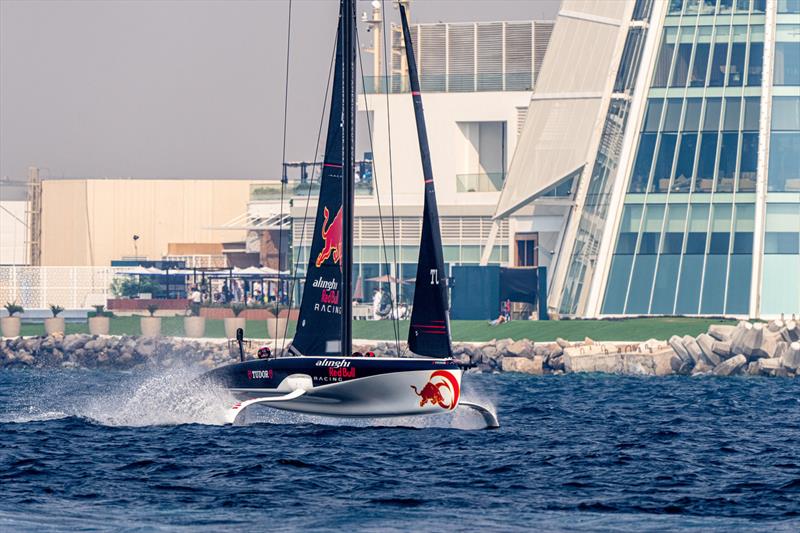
91	222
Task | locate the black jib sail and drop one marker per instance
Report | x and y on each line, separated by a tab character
319	325
429	332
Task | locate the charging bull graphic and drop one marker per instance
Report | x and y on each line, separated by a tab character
441	389
333	238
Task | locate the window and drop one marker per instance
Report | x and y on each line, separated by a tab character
482	162
712	114
752	109
786	113
784	170
787	55
719	60
682	58
748	162
780	293
788	6
664	62
663	167
704	180
653	115
685	165
644	159
732	110
700	67
691	120
726	171
527	249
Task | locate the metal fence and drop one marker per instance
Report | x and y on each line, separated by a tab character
69	287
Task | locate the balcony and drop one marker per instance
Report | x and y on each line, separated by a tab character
480	182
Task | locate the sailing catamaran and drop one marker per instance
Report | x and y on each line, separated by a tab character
320	376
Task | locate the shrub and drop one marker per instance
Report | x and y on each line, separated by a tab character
129	287
99	310
56	310
13	308
237	309
152	308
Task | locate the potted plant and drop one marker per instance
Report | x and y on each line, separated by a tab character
235	322
11	324
99	321
151	325
194	325
54	325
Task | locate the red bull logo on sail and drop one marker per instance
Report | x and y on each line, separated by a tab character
441	389
332	234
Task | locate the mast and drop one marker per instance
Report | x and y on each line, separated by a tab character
348	160
429	332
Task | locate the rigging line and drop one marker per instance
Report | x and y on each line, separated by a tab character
392	306
293	282
284	177
386	88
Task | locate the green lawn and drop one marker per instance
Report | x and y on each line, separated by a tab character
633	329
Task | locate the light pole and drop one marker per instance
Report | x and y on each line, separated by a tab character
135	247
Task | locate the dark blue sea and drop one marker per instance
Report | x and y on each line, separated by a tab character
97	451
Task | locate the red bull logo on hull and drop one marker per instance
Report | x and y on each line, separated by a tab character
441	389
332	234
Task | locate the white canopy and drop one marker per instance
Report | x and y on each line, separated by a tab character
565	107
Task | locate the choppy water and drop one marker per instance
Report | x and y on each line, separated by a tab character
97	451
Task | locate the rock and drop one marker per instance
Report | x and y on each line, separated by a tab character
752	368
730	366
524	365
676	344
768	365
791	331
610	363
563	343
741	329
694	349
722	349
556	362
721	332
775	326
638	364
651	346
702	368
73	342
588	341
706	344
791	357
520	348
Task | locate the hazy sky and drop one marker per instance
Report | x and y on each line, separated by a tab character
177	88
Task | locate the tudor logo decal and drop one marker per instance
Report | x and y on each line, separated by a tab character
441	389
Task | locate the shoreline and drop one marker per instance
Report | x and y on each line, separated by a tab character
771	349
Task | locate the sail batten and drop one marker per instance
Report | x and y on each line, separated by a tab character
429	331
319	324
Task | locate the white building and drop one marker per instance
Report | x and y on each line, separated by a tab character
13	226
476	80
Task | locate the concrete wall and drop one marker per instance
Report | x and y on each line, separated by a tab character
91	222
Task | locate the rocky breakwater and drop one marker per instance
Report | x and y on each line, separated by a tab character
118	352
769	349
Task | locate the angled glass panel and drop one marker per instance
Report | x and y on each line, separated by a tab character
742	6
644	160
748	162
706	159
707	7
724	7
688	301
672	118
691	120
663	166
685	164
716	274
665	53
651	229
641	285
712	114
786	113
752	110
675	7
733	107
726	170
738	53
701	57
666	284
755	60
741	261
788	6
653	114
680	72
719	58
629	229
617	287
784	171
787	55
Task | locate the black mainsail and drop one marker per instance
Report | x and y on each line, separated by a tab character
319	324
429	332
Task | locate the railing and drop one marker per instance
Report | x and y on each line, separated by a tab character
480	182
69	287
309	173
441	83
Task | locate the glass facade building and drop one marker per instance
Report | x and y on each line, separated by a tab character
710	216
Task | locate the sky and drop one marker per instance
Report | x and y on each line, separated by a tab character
177	89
